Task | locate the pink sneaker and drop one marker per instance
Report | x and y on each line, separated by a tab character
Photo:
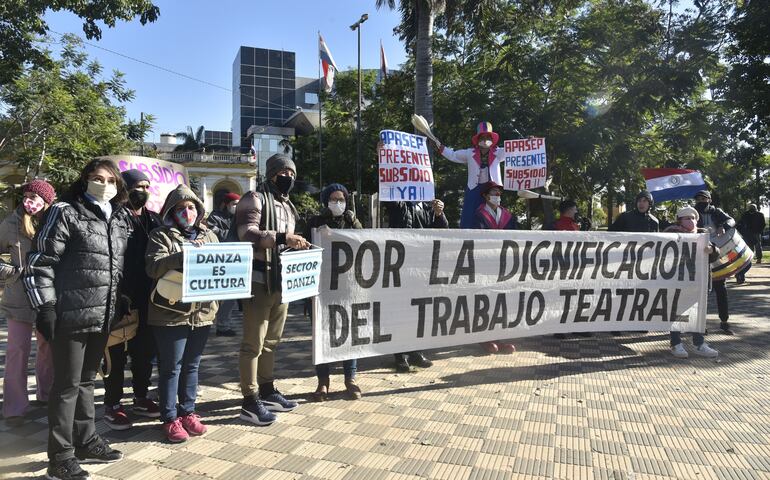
192	423
175	432
489	347
507	348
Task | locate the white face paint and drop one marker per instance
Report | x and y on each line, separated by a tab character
486	143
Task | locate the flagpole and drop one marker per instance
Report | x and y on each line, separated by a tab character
320	119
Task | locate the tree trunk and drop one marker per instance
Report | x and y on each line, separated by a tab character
423	81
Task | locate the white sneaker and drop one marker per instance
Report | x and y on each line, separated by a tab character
705	351
678	351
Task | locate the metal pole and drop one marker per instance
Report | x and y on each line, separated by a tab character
141	130
358	119
320	122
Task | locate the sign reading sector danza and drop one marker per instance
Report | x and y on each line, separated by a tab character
164	176
300	271
388	291
217	271
525	165
404	168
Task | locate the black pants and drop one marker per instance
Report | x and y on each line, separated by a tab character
76	359
755	242
142	350
721	292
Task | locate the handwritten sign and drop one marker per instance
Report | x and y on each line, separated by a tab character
164	176
404	168
300	272
526	166
219	271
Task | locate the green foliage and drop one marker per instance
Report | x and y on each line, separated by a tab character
60	117
21	22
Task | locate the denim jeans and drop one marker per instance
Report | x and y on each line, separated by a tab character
348	367
179	355
676	339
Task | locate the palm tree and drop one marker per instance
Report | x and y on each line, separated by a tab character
417	18
192	142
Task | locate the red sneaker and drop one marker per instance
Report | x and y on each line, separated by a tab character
507	348
115	417
175	432
489	347
192	423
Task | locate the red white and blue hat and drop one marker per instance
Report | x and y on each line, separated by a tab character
485	127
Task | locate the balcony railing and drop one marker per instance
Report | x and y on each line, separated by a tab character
187	157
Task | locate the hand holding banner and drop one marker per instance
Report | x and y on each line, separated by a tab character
404	168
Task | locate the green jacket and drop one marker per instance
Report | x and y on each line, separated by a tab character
164	253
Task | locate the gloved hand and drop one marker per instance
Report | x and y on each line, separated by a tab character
349	216
46	320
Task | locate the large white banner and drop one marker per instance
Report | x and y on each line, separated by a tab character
388	290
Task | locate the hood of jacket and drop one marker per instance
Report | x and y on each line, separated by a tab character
179	194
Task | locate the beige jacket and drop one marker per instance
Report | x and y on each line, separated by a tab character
164	253
13	243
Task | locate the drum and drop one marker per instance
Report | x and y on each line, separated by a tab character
735	255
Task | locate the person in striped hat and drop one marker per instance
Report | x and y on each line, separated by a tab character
483	161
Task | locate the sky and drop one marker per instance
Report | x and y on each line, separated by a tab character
201	38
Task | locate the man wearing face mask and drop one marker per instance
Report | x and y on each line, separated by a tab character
715	221
136	286
483	162
220	222
266	218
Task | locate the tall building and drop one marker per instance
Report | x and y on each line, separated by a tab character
263	90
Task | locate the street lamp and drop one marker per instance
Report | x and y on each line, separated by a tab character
354	27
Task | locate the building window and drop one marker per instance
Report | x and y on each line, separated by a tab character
311	98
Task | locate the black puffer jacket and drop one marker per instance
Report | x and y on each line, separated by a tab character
636	221
76	262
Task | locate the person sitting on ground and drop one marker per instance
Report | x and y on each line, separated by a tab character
686	222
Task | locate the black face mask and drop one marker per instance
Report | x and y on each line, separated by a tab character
701	207
138	198
284	184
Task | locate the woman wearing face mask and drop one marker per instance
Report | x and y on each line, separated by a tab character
686	222
180	329
335	214
16	234
483	162
72	279
491	215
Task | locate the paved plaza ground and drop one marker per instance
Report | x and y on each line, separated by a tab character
580	408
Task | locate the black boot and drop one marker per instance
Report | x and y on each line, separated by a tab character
419	360
402	364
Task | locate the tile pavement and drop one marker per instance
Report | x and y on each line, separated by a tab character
582	408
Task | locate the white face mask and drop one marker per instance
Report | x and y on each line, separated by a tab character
232	208
486	143
337	208
494	200
102	192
